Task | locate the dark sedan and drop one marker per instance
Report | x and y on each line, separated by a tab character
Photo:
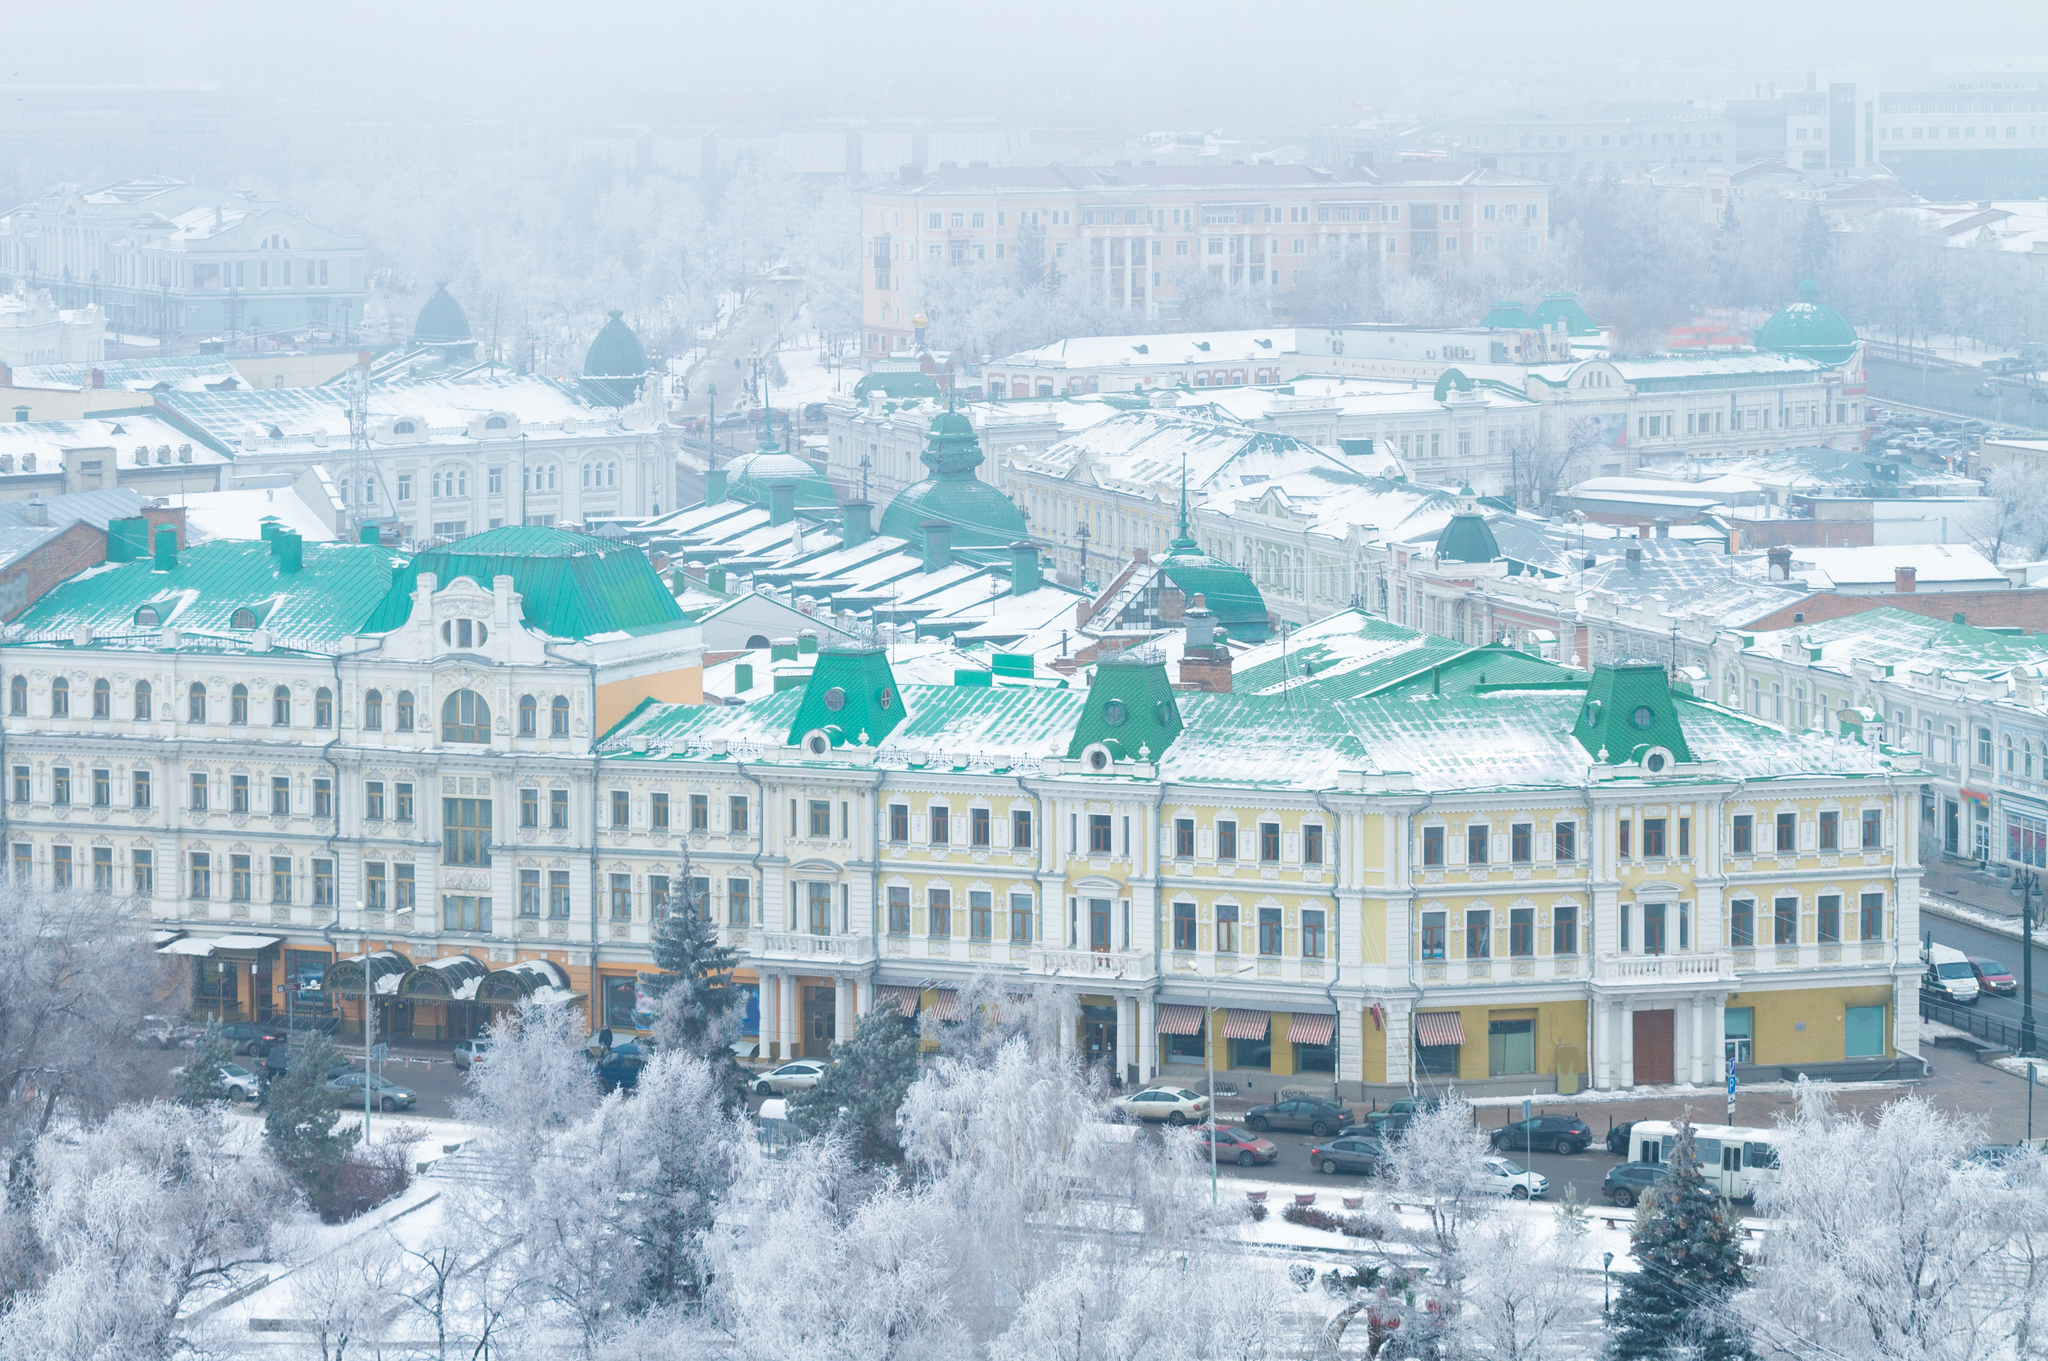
1318	1116
1558	1133
1617	1138
1349	1154
254	1037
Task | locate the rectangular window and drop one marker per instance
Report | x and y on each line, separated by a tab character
404	889
323	798
1269	843
1312	933
529	808
700	812
401	798
60	867
736	813
102	787
899	910
1020	918
462	912
1184	937
1830	830
1098	834
979	830
60	784
1478	840
739	895
1653	928
280	796
980	915
1785	921
558	893
942	824
239	877
621	897
938	909
1564	930
899	822
103	869
21	783
1226	928
1184	838
1020	829
1432	845
1521	842
1623	839
821	818
1653	838
1829	919
1744	837
1433	935
622	808
1479	933
1685	836
1788	831
1226	840
529	893
143	866
466	831
1270	931
1742	922
280	878
373	797
1566	842
1522	932
1873	828
24	863
139	789
1872	905
657	812
202	874
1311	843
558	808
376	888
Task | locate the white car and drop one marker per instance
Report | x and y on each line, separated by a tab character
1504	1178
241	1084
790	1077
1175	1105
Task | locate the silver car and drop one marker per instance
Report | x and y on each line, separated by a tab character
469	1053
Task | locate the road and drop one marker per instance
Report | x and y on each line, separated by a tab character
1955	391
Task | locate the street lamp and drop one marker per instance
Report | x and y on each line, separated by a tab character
1606	1274
2029	883
1209	1059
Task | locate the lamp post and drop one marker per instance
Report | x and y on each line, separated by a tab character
1606	1274
1209	1061
2029	882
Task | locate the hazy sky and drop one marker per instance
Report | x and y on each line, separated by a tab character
1192	63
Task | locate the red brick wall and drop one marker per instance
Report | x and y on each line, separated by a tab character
2023	608
24	582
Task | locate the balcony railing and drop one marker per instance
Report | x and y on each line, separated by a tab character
804	945
1682	968
1103	963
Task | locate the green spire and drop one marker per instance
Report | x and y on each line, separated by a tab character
1182	540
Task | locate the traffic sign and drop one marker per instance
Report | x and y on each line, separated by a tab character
378	1051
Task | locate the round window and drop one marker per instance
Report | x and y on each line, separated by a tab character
835	699
1593	712
818	745
885	698
1113	713
1643	717
1098	760
1656	762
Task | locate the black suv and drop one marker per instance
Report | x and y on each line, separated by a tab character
1617	1138
1557	1133
254	1037
1313	1113
1627	1183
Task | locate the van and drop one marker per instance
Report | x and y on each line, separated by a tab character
1734	1159
772	1127
1949	975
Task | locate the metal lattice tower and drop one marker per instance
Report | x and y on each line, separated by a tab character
362	468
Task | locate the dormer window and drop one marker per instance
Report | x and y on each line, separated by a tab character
464	632
148	616
244	618
495	423
402	428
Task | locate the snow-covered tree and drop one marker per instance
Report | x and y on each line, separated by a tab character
688	1149
1439	1164
2014	522
540	1081
342	1300
1688	1249
698	997
859	1095
200	1082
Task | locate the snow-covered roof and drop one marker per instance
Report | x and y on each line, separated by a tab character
240	515
1864	567
1191	347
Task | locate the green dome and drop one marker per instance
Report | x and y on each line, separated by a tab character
442	321
1466	538
752	474
1226	591
1809	329
618	356
981	516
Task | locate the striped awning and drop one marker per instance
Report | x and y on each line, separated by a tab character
1310	1029
905	998
946	1004
1246	1025
1175	1019
1437	1028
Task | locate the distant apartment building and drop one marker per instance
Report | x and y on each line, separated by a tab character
1133	234
162	257
1968	143
1608	140
34	330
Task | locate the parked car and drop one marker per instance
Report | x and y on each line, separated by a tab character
278	1060
1236	1145
469	1053
1505	1178
1174	1105
347	1090
1627	1183
255	1037
618	1069
241	1084
1617	1138
790	1077
1350	1153
160	1031
1949	977
1558	1133
1317	1115
1994	977
814	411
730	419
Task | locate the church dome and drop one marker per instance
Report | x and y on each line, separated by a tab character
1809	329
1226	591
615	366
981	517
441	321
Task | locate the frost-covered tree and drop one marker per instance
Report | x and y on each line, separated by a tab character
540	1081
688	1148
860	1093
698	997
302	1127
1688	1250
200	1082
2014	520
1439	1163
343	1300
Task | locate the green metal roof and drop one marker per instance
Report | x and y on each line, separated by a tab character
1130	709
1629	708
1226	591
851	696
1564	307
618	355
1508	315
574	585
442	321
981	516
1809	329
900	385
1466	539
336	590
752	474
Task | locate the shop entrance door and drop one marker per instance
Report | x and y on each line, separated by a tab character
1653	1047
1098	1037
820	1021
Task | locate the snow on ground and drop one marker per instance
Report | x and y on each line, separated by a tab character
1954	349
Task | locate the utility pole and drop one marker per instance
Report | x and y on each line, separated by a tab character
2030	883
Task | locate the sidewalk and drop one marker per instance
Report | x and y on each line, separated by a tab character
1964	882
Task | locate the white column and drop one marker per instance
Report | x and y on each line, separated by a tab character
1696	1066
863	986
771	1011
1148	1037
1351	1029
842	1009
1625	1017
1126	1036
1400	1051
788	1018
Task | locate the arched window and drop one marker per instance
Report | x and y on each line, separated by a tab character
404	711
149	616
464	632
529	716
195	703
60	698
280	707
238	704
244	618
373	711
323	708
142	701
495	423
401	427
558	717
465	718
17	698
102	699
758	640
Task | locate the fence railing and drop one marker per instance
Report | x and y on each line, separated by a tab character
1970	1021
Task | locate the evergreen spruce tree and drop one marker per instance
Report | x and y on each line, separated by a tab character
199	1082
698	996
868	1078
300	1120
1688	1253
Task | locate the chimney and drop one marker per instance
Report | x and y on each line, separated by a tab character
21	413
1905	580
807	643
166	547
127	540
781	502
1201	629
714	485
288	548
938	545
1642	531
1205	654
99	379
856	526
38	510
6	376
1663	527
1635	560
782	649
1781	563
742	676
715	579
369	534
2026	687
1024	577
